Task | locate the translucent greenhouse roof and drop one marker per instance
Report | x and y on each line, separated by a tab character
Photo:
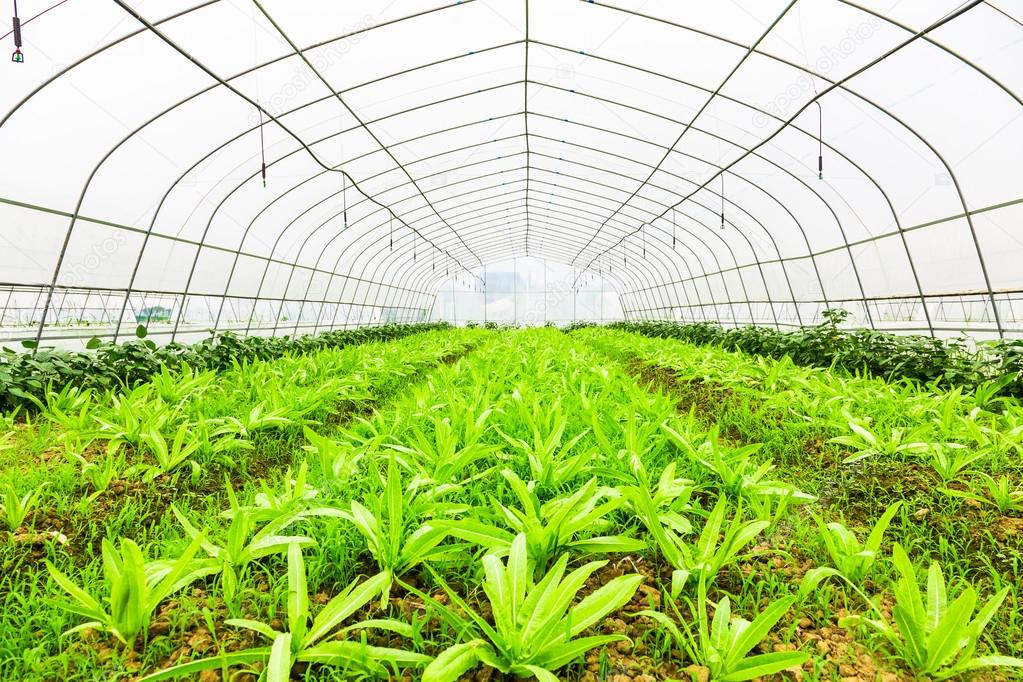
732	161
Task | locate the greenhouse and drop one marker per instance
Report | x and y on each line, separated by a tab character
480	340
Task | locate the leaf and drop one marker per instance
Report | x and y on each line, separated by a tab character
814	577
946	641
764	665
354	597
346	652
454	661
141	331
226	660
598	604
93	343
555	657
278	668
991	662
759	628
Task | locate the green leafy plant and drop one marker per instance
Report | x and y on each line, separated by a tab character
932	635
247	539
852	558
550	528
169	456
717	547
535	628
734	471
997	492
134	588
950	460
546	451
305	642
398	525
893	442
723	645
16	508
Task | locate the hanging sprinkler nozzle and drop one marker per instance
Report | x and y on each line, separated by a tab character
17	57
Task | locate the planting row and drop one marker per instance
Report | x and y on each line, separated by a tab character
25	377
544	508
946	362
94	465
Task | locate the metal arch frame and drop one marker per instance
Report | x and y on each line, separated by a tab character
153	29
753	251
792	126
301	55
839	84
561	173
450	150
699	112
967	213
242	134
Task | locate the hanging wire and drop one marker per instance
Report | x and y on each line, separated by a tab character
259	109
722	200
643	232
673	218
262	146
390	232
820	140
344	201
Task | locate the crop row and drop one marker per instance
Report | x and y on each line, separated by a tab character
112	461
944	362
26	376
535	509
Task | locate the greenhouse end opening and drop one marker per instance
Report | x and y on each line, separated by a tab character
469	340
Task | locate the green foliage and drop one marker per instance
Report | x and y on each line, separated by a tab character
933	635
851	557
549	528
946	362
26	377
305	641
134	588
15	508
535	627
723	646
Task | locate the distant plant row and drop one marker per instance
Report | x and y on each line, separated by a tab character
944	362
105	365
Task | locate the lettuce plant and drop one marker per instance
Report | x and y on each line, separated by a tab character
724	644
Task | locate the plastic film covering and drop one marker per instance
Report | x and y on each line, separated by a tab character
293	166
